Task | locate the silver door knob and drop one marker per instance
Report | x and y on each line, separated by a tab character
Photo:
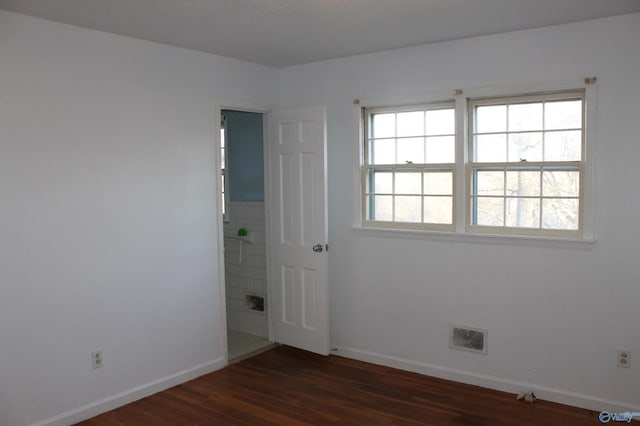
318	248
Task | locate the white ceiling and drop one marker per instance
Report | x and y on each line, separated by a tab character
281	33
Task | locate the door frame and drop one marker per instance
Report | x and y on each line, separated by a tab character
220	104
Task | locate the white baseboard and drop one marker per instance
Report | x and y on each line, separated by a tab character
491	382
114	401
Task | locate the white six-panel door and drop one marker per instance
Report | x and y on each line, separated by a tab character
298	223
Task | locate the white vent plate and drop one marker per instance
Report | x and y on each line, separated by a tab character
466	338
254	302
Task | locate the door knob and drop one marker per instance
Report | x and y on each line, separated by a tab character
318	248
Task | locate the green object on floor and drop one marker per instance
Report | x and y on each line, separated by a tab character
242	232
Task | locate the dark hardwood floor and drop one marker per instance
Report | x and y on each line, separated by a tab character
286	386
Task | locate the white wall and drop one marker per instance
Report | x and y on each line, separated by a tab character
108	230
556	315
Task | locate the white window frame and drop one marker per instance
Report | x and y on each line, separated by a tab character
462	215
224	154
512	166
393	168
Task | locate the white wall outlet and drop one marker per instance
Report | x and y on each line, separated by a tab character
96	359
624	358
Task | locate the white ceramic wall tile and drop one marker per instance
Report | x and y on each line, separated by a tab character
248	276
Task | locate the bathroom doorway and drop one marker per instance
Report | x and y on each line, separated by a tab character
243	202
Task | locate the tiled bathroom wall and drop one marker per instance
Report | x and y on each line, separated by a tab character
245	273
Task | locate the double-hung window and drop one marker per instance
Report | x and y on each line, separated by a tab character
518	165
408	173
526	164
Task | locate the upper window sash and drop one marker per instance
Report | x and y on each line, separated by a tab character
392	134
536	128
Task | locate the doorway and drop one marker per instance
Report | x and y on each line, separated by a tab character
245	249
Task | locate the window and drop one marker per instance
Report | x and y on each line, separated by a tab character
526	164
520	168
224	170
409	167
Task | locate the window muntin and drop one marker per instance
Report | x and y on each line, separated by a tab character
526	167
409	166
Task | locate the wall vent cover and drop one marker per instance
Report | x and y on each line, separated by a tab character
254	303
467	338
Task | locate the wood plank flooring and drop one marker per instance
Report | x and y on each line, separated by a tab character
286	386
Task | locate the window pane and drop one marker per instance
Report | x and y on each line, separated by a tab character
563	115
224	204
411	123
438	210
491	119
383	151
411	149
408	183
441	149
523	183
490	211
380	182
560	183
408	209
560	213
523	212
222	141
382	207
525	117
438	183
525	146
383	126
489	183
563	146
491	148
441	122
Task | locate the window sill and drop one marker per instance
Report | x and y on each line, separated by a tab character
519	240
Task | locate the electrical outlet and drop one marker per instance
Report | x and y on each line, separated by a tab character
624	358
96	359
